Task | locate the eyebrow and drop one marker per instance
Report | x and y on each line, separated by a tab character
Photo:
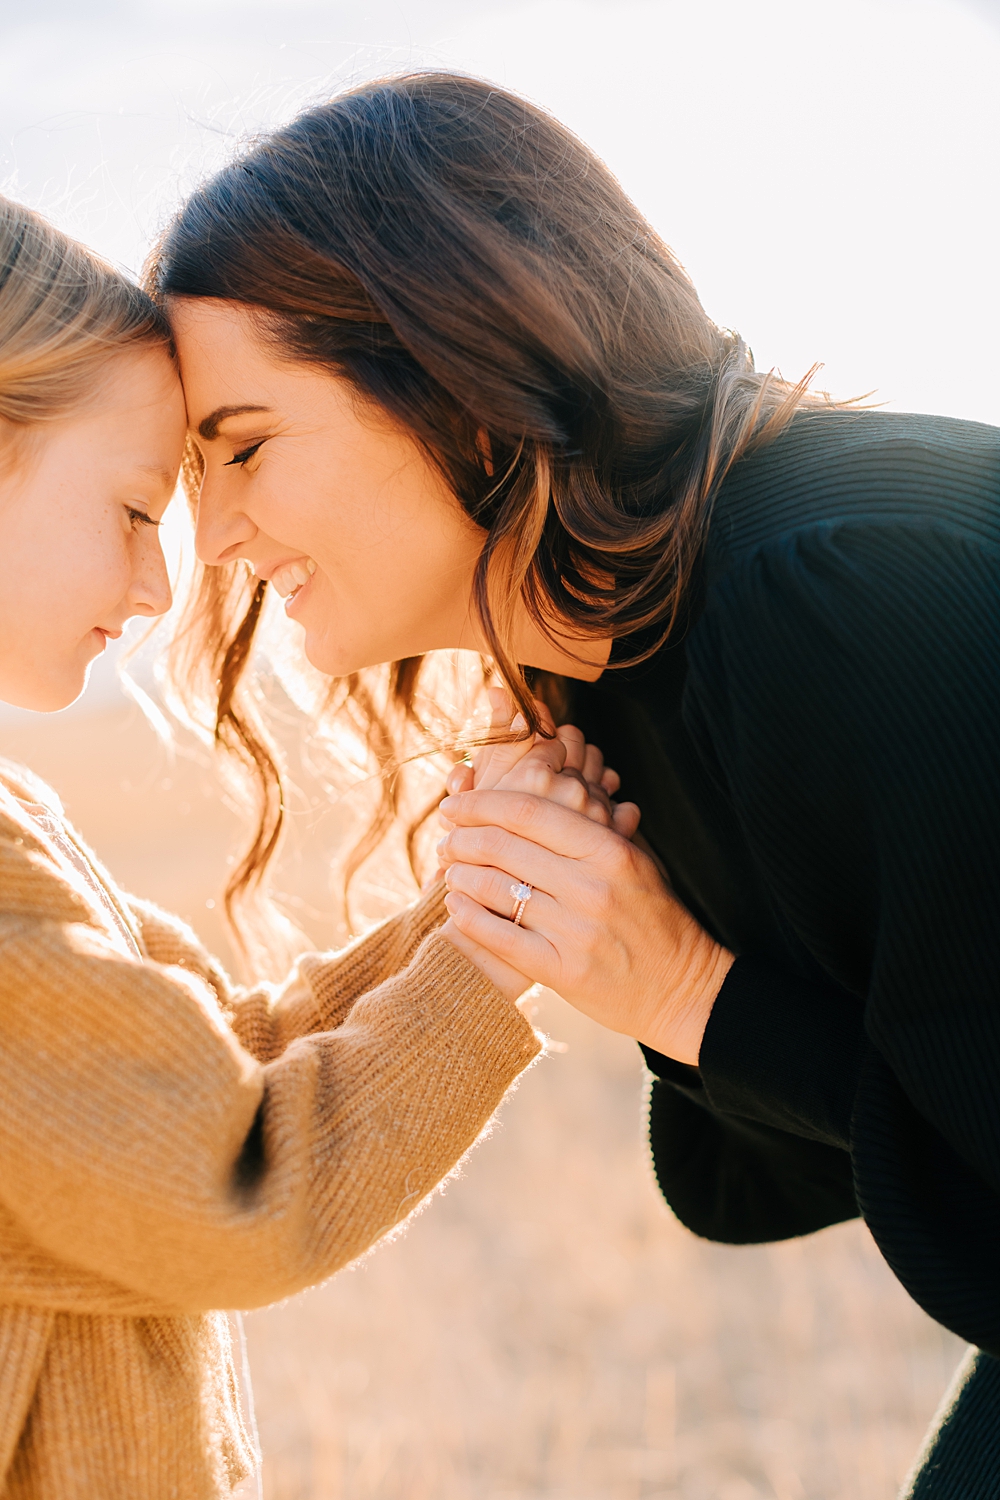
209	429
166	478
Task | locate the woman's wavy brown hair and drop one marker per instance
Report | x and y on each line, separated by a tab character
467	263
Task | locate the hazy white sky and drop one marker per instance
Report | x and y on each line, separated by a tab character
828	170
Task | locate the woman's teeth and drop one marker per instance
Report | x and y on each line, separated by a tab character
290	577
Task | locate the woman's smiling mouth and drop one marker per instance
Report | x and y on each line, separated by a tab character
289	577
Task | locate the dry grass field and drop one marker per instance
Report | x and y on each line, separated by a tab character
544	1328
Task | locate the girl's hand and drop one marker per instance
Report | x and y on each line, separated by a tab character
564	769
601	927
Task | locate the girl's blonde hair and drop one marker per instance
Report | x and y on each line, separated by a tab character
64	314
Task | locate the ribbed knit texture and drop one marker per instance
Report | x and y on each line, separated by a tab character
818	764
961	1457
170	1145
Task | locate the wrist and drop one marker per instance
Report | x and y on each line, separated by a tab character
508	981
678	1027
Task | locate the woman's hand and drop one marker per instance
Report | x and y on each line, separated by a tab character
601	927
564	769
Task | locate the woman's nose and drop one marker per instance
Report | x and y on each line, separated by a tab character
219	528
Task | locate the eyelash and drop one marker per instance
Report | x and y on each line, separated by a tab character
139	517
245	456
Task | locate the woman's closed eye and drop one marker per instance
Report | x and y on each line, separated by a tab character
244	455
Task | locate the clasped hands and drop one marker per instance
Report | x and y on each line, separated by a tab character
602	927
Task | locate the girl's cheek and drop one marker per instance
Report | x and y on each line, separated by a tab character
102	580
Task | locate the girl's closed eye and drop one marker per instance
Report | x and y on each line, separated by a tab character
139	518
243	457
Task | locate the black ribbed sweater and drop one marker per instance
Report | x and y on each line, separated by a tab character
818	764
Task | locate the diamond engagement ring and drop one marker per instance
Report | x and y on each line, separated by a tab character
521	891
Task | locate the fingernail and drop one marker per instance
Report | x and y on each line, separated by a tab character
452	900
448	804
518	722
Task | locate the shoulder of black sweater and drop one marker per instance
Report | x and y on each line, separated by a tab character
831	467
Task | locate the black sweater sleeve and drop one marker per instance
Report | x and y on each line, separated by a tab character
844	682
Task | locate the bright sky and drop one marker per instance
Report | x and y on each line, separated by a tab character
828	170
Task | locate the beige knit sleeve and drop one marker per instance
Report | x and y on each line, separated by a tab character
140	1141
323	986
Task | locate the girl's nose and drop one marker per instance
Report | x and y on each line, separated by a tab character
151	593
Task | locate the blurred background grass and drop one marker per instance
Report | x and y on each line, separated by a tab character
544	1328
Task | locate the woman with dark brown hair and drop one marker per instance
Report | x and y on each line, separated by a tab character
449	389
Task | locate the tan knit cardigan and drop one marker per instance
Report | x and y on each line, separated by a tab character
170	1144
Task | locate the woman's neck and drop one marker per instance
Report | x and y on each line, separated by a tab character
568	656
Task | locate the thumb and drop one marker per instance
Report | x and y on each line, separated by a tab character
460	779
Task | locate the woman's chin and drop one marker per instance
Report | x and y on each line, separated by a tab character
334	652
329	660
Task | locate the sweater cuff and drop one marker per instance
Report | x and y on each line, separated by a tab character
784	1051
669	1070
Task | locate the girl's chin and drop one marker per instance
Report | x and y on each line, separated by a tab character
49	686
44	697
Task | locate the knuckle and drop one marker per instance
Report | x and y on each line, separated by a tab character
524	809
537	780
617	860
575	794
484	841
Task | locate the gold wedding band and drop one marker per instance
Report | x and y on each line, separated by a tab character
521	891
